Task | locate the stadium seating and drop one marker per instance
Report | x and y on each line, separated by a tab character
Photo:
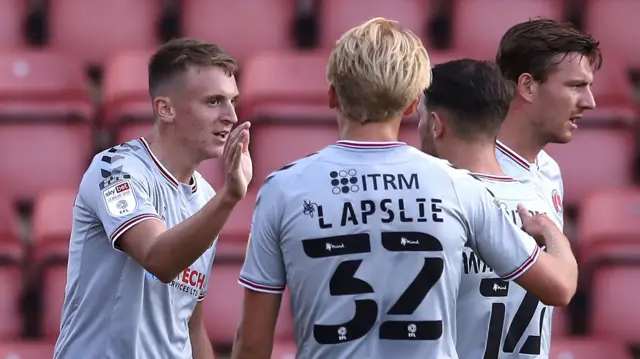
611	150
52	221
608	225
478	25
12	15
53	282
12	284
223	307
26	350
613	23
338	16
613	92
232	242
561	323
44	116
11	249
613	299
94	30
229	23
590	348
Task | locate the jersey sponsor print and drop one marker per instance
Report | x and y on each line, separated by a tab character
368	238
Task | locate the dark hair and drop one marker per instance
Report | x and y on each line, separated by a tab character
176	56
473	94
531	46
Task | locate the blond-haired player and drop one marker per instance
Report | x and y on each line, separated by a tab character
368	232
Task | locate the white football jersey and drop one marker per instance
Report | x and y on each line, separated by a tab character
368	238
544	174
499	319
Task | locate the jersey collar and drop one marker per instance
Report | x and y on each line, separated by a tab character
163	170
520	161
365	145
494	177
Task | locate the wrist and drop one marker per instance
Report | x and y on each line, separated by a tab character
228	198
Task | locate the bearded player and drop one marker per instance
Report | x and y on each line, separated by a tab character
460	117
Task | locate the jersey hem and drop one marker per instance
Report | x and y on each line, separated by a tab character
129	224
260	287
524	267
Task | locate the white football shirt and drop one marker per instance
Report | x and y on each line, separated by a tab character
368	237
499	319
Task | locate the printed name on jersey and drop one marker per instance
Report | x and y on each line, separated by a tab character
120	199
557	201
348	180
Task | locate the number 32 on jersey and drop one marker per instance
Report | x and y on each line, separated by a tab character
344	282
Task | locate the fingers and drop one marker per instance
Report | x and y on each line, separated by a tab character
523	212
245	137
235	158
233	136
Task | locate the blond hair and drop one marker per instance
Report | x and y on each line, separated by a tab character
377	70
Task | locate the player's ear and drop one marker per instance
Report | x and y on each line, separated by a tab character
412	108
163	108
437	127
333	97
526	87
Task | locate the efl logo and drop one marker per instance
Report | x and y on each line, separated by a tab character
557	201
122	187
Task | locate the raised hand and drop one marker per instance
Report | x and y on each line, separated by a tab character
237	162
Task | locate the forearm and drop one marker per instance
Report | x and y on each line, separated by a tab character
177	248
243	350
201	346
558	246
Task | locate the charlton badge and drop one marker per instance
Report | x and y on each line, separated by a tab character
557	201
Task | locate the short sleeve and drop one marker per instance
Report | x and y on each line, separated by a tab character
119	198
507	249
263	269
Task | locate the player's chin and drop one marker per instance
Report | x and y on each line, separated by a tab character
214	151
564	136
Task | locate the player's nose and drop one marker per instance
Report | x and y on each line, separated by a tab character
587	101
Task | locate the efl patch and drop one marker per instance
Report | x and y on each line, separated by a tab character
557	201
120	199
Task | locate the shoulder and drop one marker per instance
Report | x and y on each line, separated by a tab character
293	169
124	162
547	163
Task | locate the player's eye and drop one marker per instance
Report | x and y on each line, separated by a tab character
214	101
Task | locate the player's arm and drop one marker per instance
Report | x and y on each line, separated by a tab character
263	276
200	343
165	253
514	255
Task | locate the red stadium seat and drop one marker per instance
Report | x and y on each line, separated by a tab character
289	84
12	15
26	349
613	93
608	225
284	350
235	233
126	88
610	153
44	122
267	27
613	23
52	221
339	16
614	299
223	305
588	348
53	281
478	25
11	280
94	30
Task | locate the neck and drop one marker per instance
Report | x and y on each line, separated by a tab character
173	155
383	131
516	134
475	156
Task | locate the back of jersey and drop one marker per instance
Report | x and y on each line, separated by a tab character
368	237
498	319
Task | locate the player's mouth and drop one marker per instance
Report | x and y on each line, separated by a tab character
222	135
574	120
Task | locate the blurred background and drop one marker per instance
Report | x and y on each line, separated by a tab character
73	81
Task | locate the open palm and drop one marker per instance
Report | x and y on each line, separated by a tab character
237	159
